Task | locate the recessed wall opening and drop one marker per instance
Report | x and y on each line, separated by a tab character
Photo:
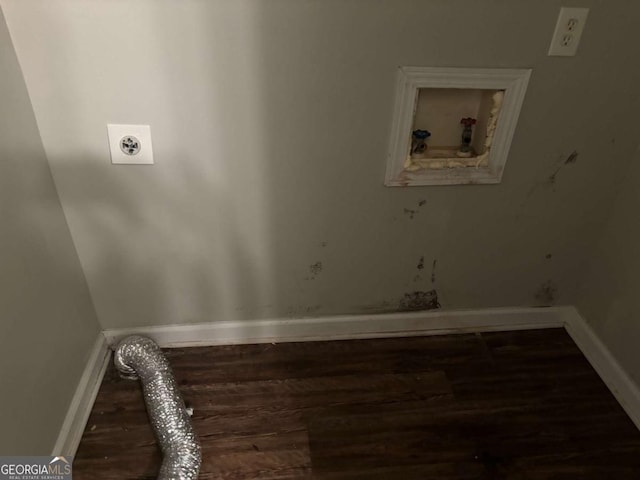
441	112
453	125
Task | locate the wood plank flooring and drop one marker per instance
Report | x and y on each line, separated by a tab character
512	405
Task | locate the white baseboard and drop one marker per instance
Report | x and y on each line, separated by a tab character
604	363
346	327
83	399
350	327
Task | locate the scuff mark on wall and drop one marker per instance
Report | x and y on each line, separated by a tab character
433	271
548	183
548	256
421	263
419	300
546	293
571	159
422	203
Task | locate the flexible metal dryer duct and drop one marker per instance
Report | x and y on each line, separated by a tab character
140	357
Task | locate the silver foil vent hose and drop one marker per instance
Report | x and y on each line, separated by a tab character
140	357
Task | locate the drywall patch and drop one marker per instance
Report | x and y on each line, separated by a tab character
547	293
419	300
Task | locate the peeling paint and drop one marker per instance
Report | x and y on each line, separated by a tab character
419	300
546	293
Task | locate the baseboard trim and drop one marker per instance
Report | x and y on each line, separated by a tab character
604	363
83	399
346	327
350	327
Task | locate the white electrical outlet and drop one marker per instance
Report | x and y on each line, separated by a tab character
130	144
569	27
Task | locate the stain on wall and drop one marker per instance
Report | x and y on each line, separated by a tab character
312	165
410	213
419	300
315	269
546	293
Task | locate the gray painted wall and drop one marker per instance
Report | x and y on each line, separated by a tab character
610	300
47	321
270	123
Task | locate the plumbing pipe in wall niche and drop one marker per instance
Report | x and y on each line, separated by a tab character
140	357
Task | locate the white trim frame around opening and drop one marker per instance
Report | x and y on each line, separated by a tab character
410	79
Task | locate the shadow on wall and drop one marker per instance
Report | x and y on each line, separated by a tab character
47	322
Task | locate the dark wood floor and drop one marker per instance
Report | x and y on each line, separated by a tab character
513	405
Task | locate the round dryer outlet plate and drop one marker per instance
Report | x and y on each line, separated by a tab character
130	144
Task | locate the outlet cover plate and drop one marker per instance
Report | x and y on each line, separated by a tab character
141	135
569	28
